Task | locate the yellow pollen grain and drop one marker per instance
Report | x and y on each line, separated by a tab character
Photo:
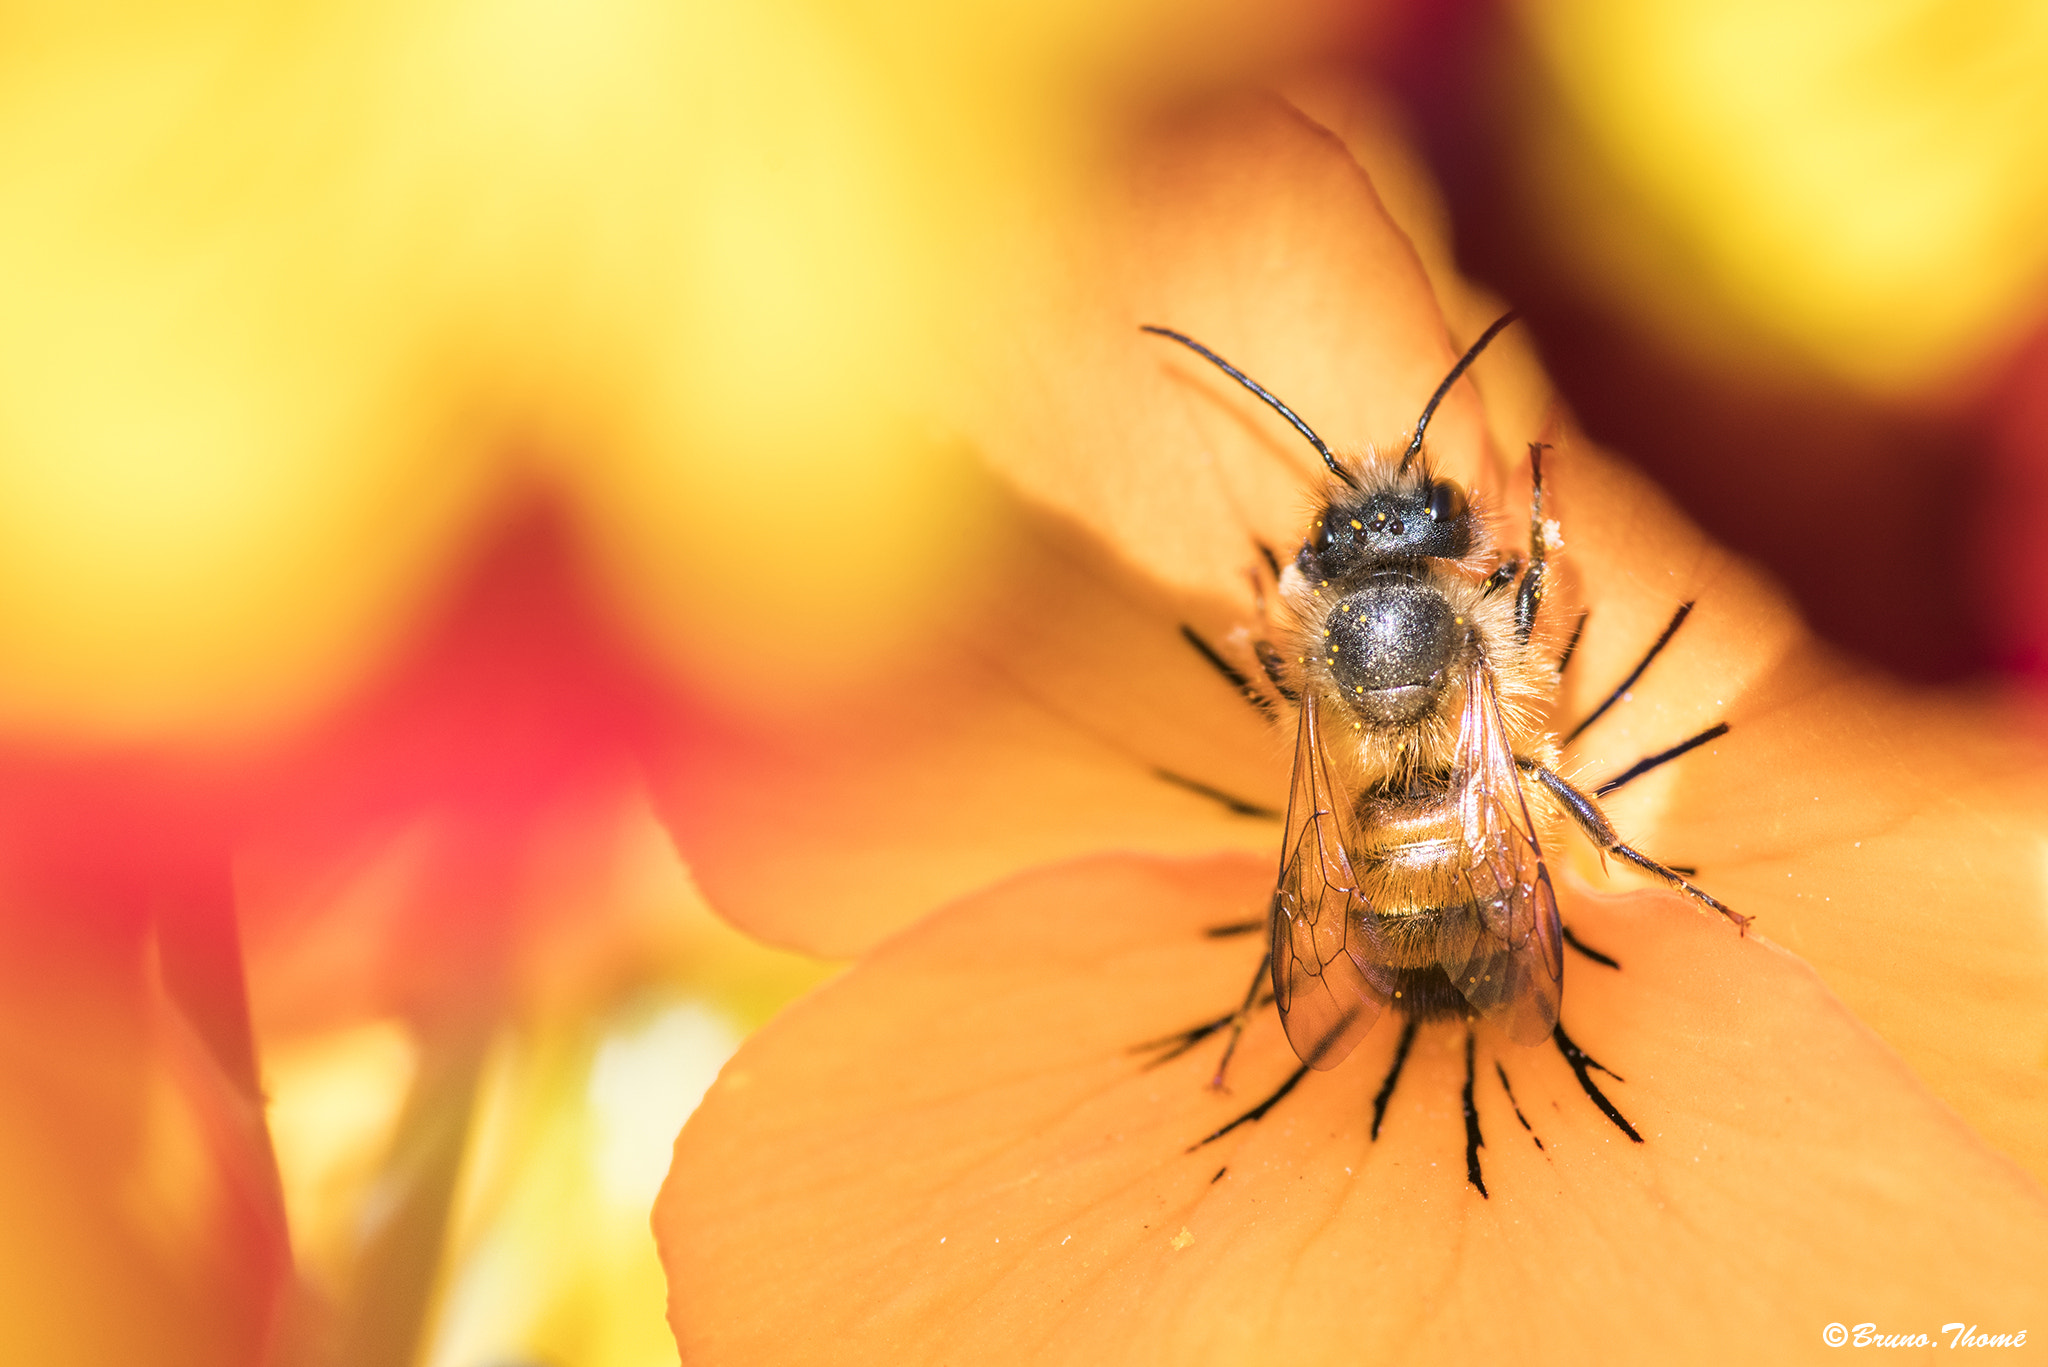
1361	526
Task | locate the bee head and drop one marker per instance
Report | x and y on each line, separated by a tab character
1419	518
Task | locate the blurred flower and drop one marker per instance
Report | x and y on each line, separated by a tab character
409	414
953	1153
1862	182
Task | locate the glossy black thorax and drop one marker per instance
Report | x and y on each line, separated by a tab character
1392	638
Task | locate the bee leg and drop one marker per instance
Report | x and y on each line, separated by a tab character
1231	673
1251	694
1670	630
1264	575
1167	1048
1535	579
1677	880
1474	1141
1598	829
1275	665
1171	1047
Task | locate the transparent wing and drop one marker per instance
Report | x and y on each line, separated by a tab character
1329	980
1502	946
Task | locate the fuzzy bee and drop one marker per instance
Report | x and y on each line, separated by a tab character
1412	871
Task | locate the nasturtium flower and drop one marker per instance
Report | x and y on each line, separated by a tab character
961	1150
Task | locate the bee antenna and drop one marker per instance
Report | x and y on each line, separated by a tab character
1464	364
1322	448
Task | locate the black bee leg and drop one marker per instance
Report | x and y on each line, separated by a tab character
1670	630
1275	665
1167	1048
1271	661
1662	757
1677	880
1601	832
1231	673
1536	579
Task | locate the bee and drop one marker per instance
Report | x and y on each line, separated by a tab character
1412	871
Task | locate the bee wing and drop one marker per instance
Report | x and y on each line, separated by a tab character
1329	979
1504	947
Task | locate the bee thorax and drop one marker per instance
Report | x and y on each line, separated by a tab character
1391	646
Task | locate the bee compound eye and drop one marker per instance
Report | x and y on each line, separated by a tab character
1447	502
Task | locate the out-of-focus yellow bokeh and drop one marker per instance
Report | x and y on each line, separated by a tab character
301	300
1860	179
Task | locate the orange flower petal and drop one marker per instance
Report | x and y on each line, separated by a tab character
1892	837
1254	230
954	1155
1045	723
